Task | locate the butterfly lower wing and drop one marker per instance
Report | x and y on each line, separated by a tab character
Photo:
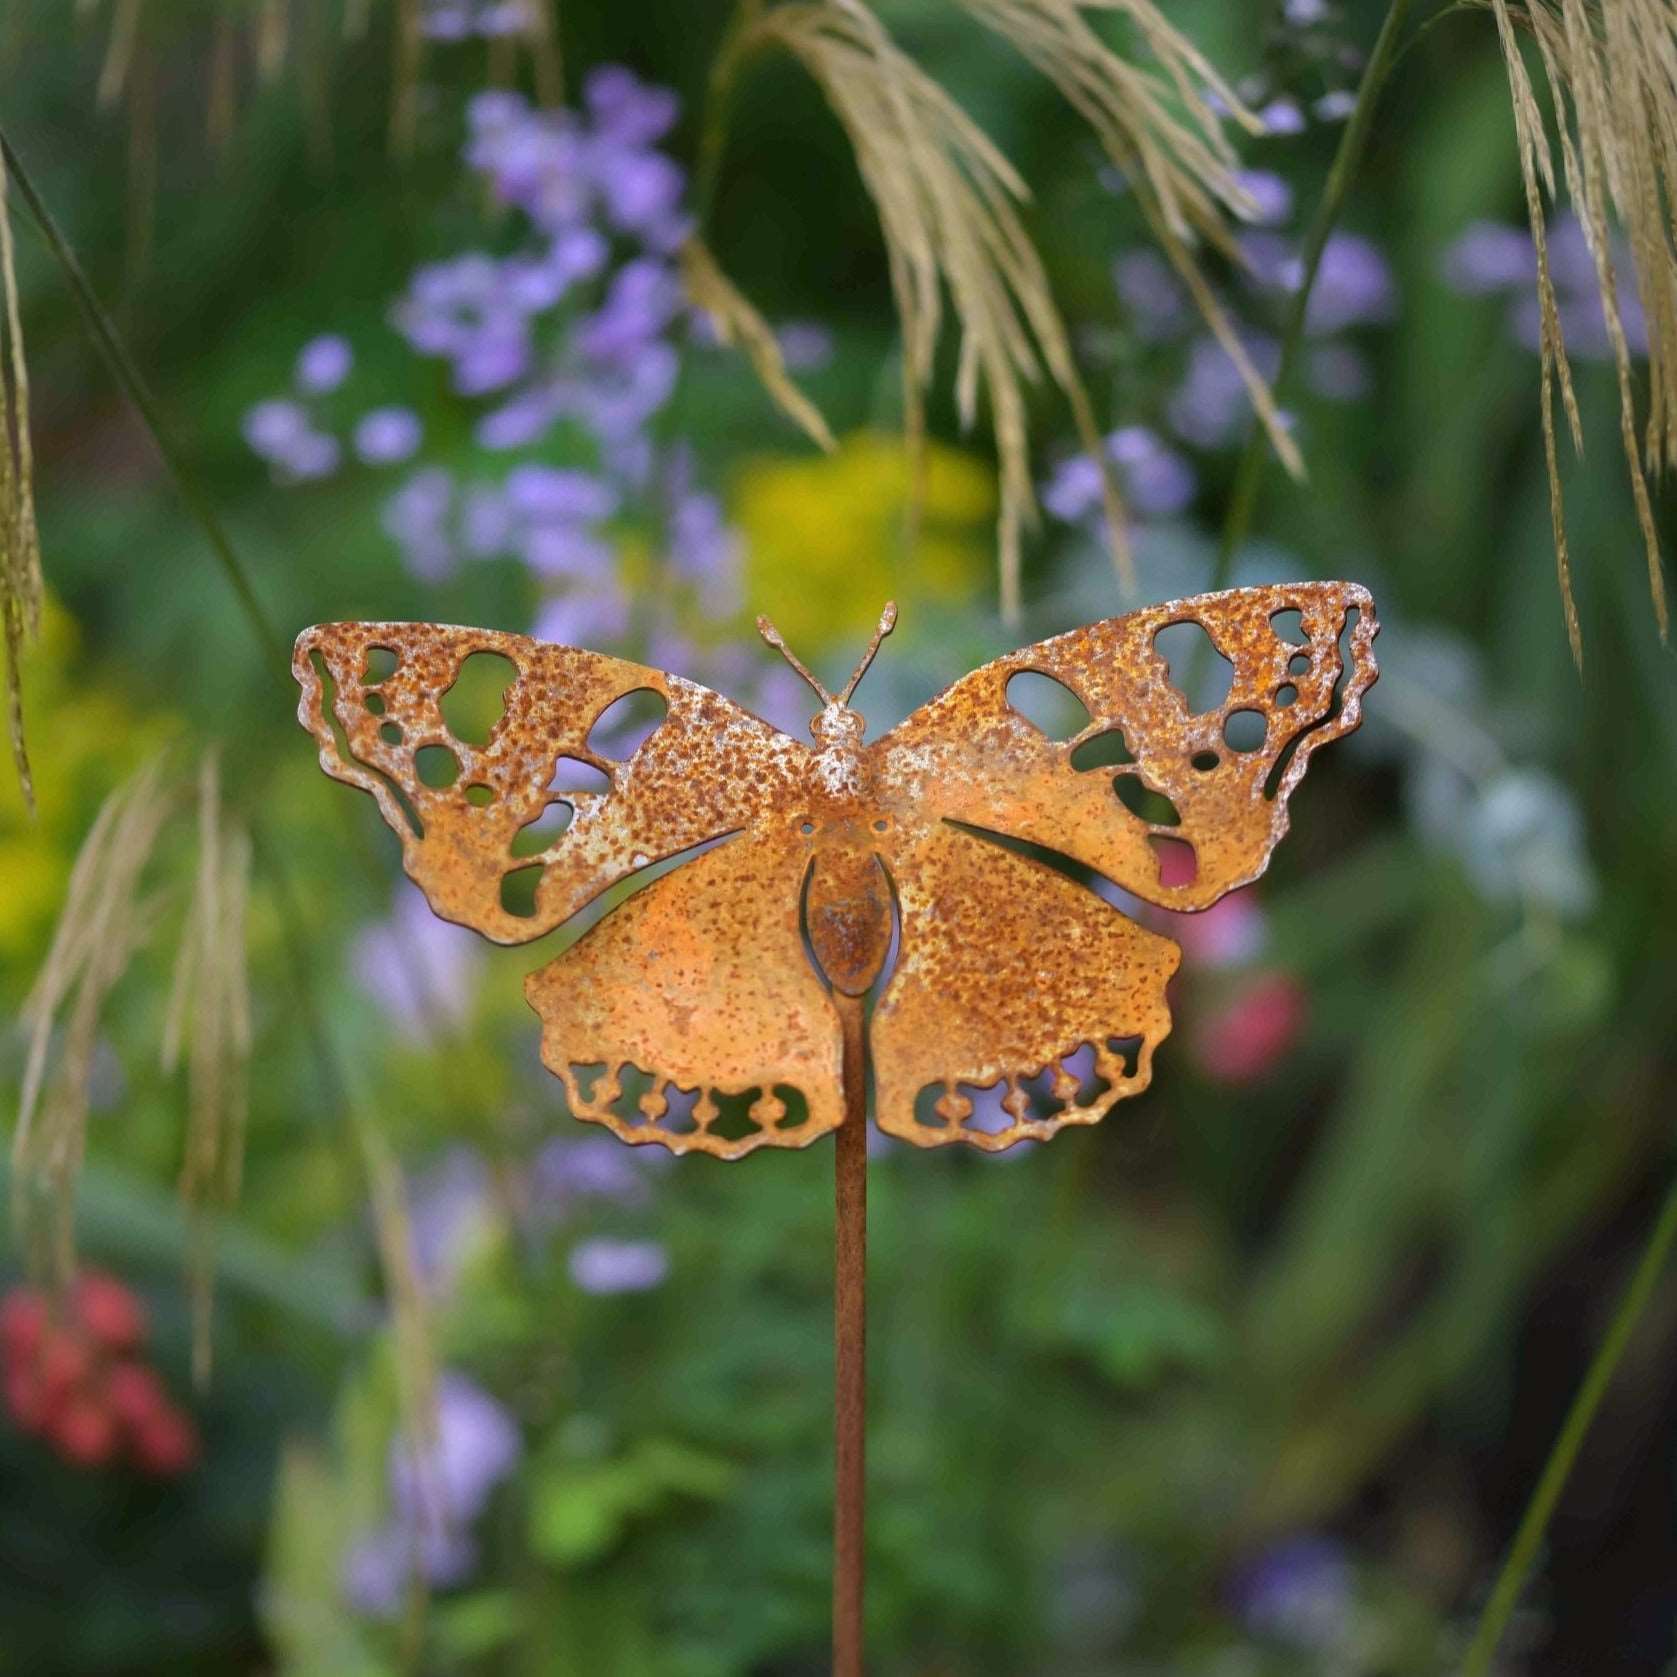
1013	979
708	768
698	988
969	756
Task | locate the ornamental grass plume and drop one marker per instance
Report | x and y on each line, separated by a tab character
949	208
209	1011
105	919
1611	73
737	323
21	588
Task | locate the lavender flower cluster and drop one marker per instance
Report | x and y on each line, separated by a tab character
566	349
1497	259
1207	407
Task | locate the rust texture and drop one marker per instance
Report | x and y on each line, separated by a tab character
704	1012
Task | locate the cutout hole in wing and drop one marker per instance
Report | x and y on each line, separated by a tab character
518	891
477	698
1299	664
380	665
677	1116
1198	671
626	724
1127	1051
1245	730
536	836
1285	695
1289	626
1336	703
1048	705
479	795
1179	862
437	766
571	774
340	742
1204	761
1144	803
988	1115
733	1120
796	1107
390	733
1105	750
374	703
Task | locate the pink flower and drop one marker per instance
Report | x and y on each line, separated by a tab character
1244	1039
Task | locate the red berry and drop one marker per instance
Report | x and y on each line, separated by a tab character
110	1311
26	1398
1254	1031
166	1444
83	1432
23	1318
135	1395
64	1362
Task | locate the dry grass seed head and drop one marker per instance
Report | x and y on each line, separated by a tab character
738	323
948	205
21	586
1611	72
104	920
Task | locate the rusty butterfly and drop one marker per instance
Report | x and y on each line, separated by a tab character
708	1011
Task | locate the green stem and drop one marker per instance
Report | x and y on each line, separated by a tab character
1522	1553
734	46
275	652
1345	164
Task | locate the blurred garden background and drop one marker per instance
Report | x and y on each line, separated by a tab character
1257	1376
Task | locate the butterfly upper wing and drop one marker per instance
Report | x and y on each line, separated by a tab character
697	986
969	756
708	768
1013	977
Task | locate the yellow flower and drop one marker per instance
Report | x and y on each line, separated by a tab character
824	536
82	741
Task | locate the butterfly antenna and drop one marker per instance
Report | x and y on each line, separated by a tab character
772	635
887	622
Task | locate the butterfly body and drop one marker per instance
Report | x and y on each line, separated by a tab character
703	1013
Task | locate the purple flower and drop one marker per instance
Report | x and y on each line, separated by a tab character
437	1490
1158	482
565	1172
641	301
1298	1591
625	109
1271	196
1336	106
448	1212
323	365
1490	256
704	548
1149	289
420	970
642	191
416	518
273	428
602	1265
1271	261
591	617
1210	405
1282	116
387	435
1354	286
543	493
781	698
805	345
476	1444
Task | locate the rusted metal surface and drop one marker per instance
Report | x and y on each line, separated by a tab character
694	1016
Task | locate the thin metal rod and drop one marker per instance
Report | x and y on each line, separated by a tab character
850	1241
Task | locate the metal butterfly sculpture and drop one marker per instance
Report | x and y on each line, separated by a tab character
721	990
